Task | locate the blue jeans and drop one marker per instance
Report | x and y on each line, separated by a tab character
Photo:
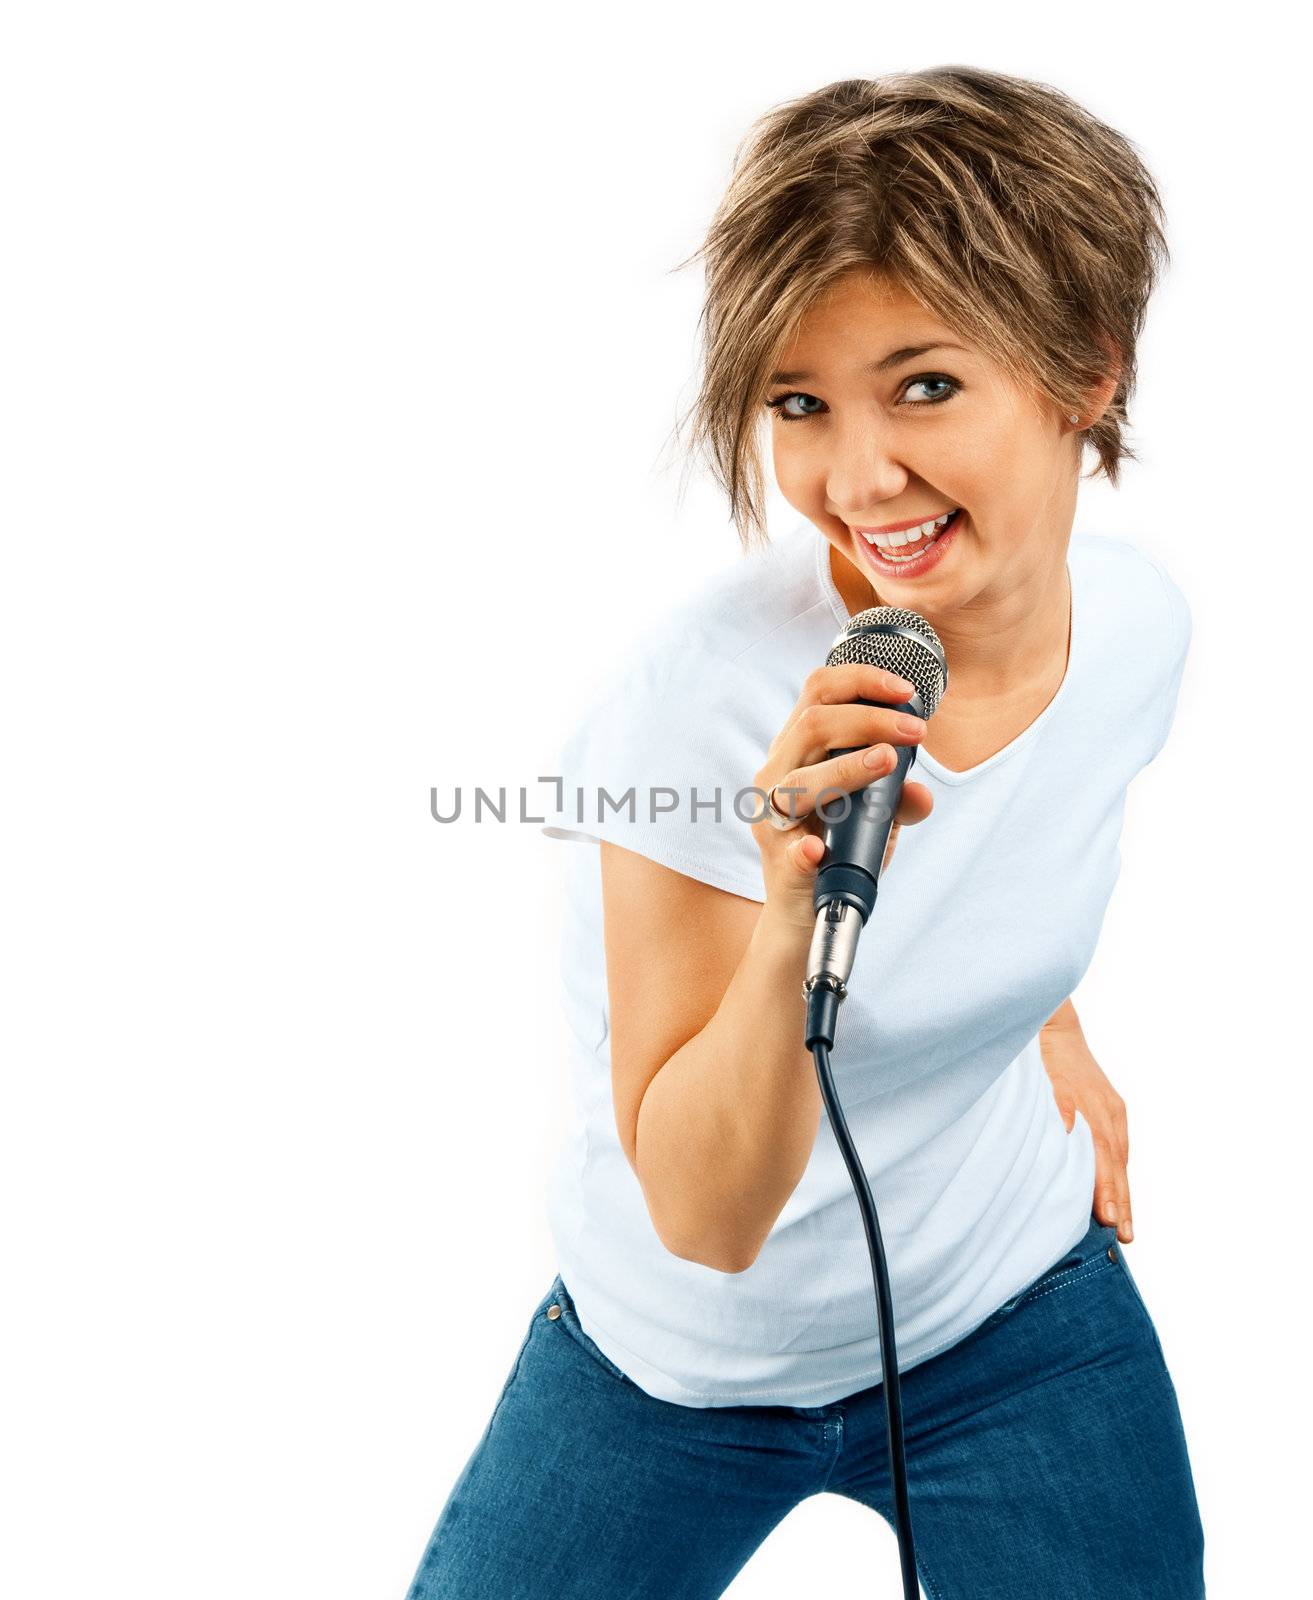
1045	1457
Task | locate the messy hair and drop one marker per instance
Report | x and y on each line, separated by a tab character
1002	206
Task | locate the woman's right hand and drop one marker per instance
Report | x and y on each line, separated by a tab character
827	718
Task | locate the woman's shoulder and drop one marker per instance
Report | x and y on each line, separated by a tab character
771	596
663	756
1130	585
1136	626
745	634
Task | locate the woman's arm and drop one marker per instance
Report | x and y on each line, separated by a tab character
1079	1083
716	1100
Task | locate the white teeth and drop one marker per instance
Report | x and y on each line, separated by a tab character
894	541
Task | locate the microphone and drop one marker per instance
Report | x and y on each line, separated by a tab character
857	828
858	825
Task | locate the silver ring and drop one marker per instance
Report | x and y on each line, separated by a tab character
776	817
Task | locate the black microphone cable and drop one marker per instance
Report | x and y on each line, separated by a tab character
893	1399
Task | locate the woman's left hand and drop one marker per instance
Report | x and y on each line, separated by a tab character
1079	1084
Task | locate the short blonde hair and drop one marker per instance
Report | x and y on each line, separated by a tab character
1001	205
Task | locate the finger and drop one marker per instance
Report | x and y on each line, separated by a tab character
1113	1196
1106	1206
805	853
912	809
802	789
915	805
855	680
822	727
1125	1229
799	792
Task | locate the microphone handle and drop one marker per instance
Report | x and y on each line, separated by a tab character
857	829
855	843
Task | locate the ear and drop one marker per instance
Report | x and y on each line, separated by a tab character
1100	397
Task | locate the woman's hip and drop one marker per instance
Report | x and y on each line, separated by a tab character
1045	1451
583	1485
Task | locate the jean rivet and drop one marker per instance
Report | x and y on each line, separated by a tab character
554	1311
1112	1254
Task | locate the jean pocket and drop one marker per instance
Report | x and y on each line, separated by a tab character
1088	1257
569	1320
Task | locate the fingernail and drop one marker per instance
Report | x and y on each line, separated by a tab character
1111	1214
876	756
910	725
902	683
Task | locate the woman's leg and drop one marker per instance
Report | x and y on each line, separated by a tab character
585	1487
1045	1451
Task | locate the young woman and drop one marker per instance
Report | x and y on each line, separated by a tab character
929	287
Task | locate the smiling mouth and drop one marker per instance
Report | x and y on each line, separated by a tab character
912	542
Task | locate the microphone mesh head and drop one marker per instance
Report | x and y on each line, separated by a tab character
912	649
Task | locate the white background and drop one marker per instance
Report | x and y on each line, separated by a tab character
340	357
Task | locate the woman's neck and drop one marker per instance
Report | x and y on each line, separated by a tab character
989	652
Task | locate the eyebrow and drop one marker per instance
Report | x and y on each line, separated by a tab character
895	358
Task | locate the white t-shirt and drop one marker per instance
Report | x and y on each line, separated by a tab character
987	919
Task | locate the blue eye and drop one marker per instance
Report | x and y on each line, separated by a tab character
790	416
939	399
950	385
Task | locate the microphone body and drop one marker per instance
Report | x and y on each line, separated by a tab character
858	824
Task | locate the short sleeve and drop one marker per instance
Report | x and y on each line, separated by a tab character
1178	630
662	762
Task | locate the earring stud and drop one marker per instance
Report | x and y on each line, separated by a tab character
1072	417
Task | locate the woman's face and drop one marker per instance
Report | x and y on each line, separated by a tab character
872	432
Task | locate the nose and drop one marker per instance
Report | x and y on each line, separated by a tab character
863	475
